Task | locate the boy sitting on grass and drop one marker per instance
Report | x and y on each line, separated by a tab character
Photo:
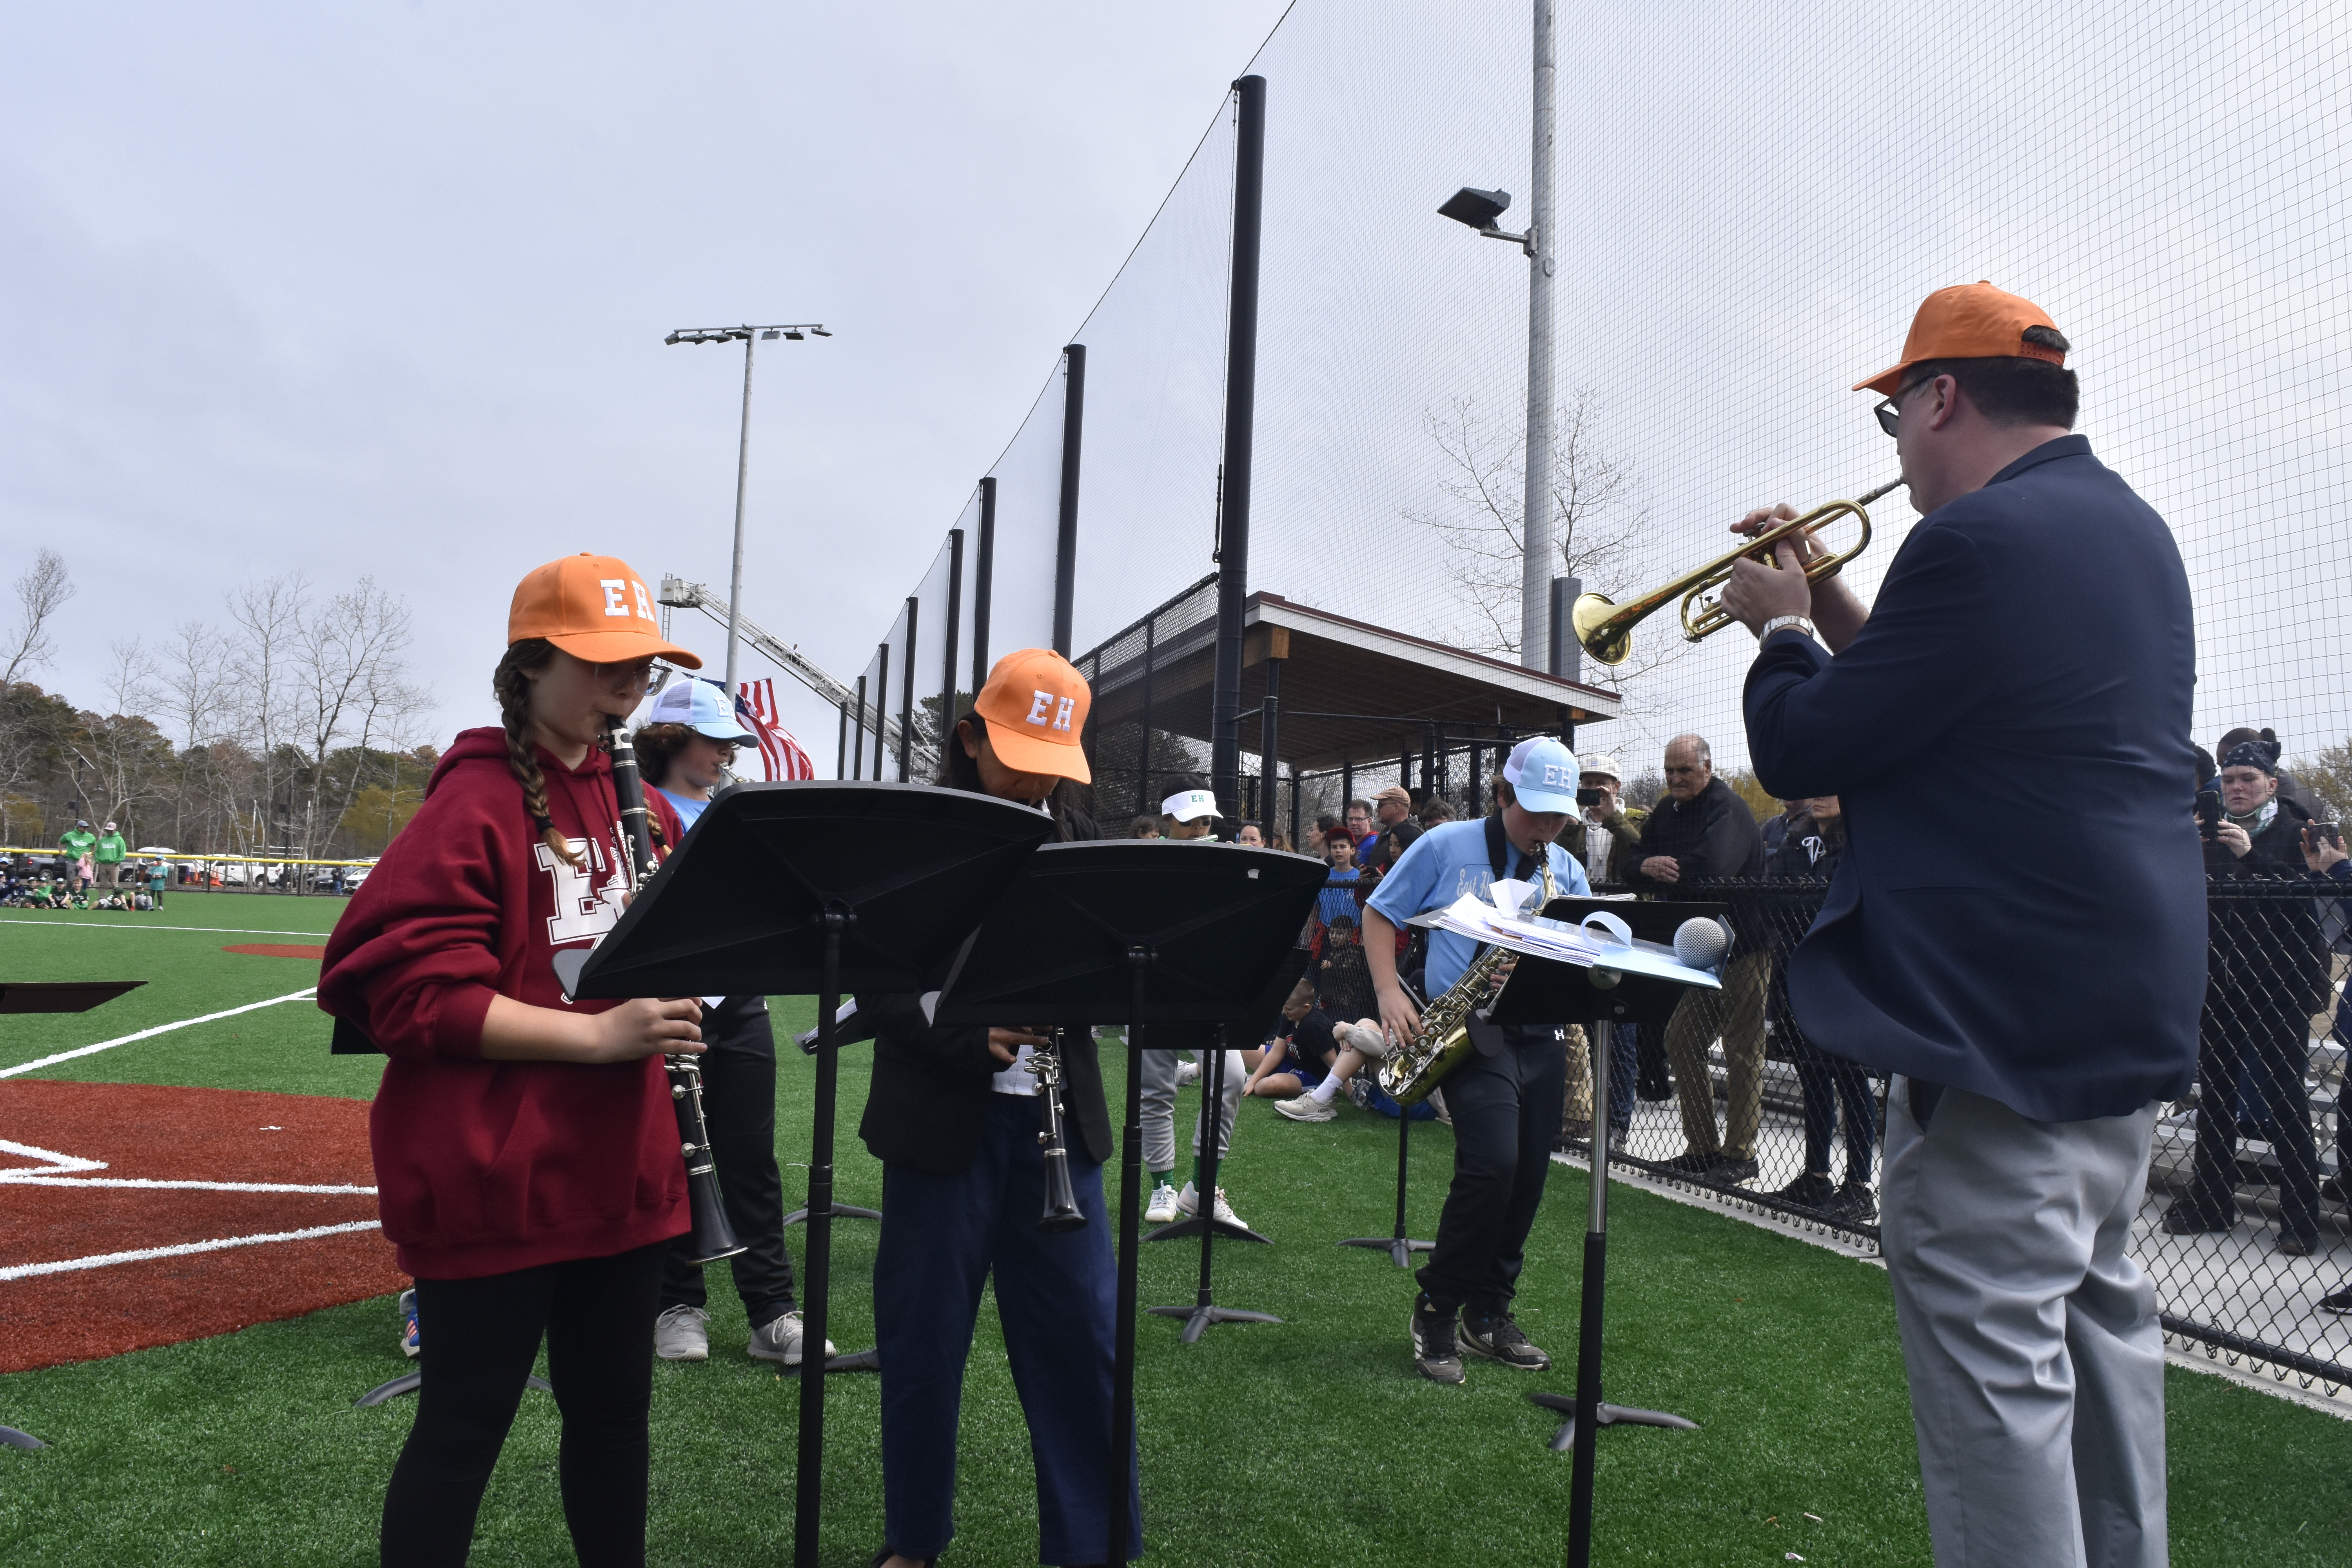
1305	1071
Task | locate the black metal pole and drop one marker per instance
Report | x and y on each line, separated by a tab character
1065	535
907	696
1296	807
1143	743
1399	1245
809	1477
1269	738
857	757
948	710
983	570
1130	1177
1241	414
881	707
841	747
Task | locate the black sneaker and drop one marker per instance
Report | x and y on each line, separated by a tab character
1691	1164
1808	1191
1854	1203
2340	1303
2332	1189
1498	1339
2183	1220
1733	1169
1434	1353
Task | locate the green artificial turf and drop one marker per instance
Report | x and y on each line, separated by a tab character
1310	1442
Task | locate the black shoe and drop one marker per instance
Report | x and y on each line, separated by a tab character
2340	1303
2183	1220
2332	1189
1498	1338
1732	1170
2296	1246
1854	1204
1691	1164
1434	1354
1808	1191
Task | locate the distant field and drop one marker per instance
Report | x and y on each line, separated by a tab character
1300	1444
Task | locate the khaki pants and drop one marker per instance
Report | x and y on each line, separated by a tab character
1735	1013
109	873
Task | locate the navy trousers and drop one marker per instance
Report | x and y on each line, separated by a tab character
1057	1297
1506	1110
1827	1080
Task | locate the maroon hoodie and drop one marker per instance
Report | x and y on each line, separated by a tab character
483	1167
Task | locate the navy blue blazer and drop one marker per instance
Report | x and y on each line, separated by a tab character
2020	909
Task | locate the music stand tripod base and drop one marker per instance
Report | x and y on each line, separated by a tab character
1604	1415
411	1380
1398	1245
11	1438
840	1211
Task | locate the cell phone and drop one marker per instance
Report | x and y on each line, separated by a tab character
1588	796
2330	831
2209	812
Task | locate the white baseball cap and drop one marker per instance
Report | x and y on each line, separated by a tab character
1190	805
1606	766
1544	775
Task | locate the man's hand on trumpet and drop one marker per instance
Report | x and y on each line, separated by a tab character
1757	592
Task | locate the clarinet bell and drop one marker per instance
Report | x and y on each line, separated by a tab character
713	1237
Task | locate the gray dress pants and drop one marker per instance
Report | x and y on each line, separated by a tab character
1158	1096
2030	1336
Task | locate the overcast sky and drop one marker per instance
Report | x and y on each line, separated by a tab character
375	289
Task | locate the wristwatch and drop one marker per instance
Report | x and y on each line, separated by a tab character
1783	623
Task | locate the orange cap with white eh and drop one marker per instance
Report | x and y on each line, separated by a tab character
1035	708
1968	320
594	607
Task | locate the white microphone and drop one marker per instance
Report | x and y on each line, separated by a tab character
1700	943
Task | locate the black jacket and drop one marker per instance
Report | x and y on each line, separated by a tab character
2266	947
932	1092
1810	853
1713	835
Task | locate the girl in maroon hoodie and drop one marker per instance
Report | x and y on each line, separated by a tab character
526	1150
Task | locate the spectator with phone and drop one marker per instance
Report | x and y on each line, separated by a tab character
2270	973
1604	832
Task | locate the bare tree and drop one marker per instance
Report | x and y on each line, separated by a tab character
192	697
270	614
348	658
1596	519
121	747
40	592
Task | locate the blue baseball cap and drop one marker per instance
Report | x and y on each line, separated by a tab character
1544	775
701	707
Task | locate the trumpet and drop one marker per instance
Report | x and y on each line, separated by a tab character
1604	628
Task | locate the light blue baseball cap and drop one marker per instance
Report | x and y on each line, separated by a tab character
701	707
1544	775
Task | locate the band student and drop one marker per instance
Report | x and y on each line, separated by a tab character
2035	1008
955	1116
1506	1105
1187	813
526	1148
684	748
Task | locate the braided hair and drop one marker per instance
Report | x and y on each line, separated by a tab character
511	685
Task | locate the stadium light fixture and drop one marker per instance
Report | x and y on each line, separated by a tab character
1478	209
751	337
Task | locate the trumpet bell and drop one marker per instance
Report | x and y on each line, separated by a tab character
1606	639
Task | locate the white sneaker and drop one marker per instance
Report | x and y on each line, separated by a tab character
1162	1209
1307	1107
682	1334
780	1340
1187	1071
1190	1201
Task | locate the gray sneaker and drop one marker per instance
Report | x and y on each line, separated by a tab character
1434	1354
1307	1107
1498	1339
682	1334
780	1340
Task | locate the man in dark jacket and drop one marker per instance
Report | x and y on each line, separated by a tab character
1809	852
2035	990
2270	975
1702	832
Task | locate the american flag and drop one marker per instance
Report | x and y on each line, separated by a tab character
780	754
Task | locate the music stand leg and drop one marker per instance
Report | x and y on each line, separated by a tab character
1131	1175
1203	1311
809	1477
11	1438
1399	1246
840	1211
1591	1412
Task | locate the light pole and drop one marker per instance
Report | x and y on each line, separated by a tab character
797	332
1479	209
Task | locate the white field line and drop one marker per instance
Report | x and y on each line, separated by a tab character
108	1259
143	925
57	1164
52	1179
305	995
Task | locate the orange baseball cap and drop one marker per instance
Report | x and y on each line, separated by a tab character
1968	320
1036	706
594	607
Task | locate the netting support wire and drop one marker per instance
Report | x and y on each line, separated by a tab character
950	710
1241	414
1534	582
1066	536
984	574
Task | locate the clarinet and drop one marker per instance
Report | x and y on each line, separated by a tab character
1062	1211
712	1236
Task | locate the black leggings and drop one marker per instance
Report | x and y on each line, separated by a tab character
480	1337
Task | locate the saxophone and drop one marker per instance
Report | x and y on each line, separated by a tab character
1416	1067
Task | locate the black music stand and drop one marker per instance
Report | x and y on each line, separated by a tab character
1556	993
1205	1311
1400	1247
848	1030
792	887
1153	929
54	997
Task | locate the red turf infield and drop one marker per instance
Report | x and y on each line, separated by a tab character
178	1135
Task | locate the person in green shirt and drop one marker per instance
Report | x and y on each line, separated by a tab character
111	849
80	845
159	873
